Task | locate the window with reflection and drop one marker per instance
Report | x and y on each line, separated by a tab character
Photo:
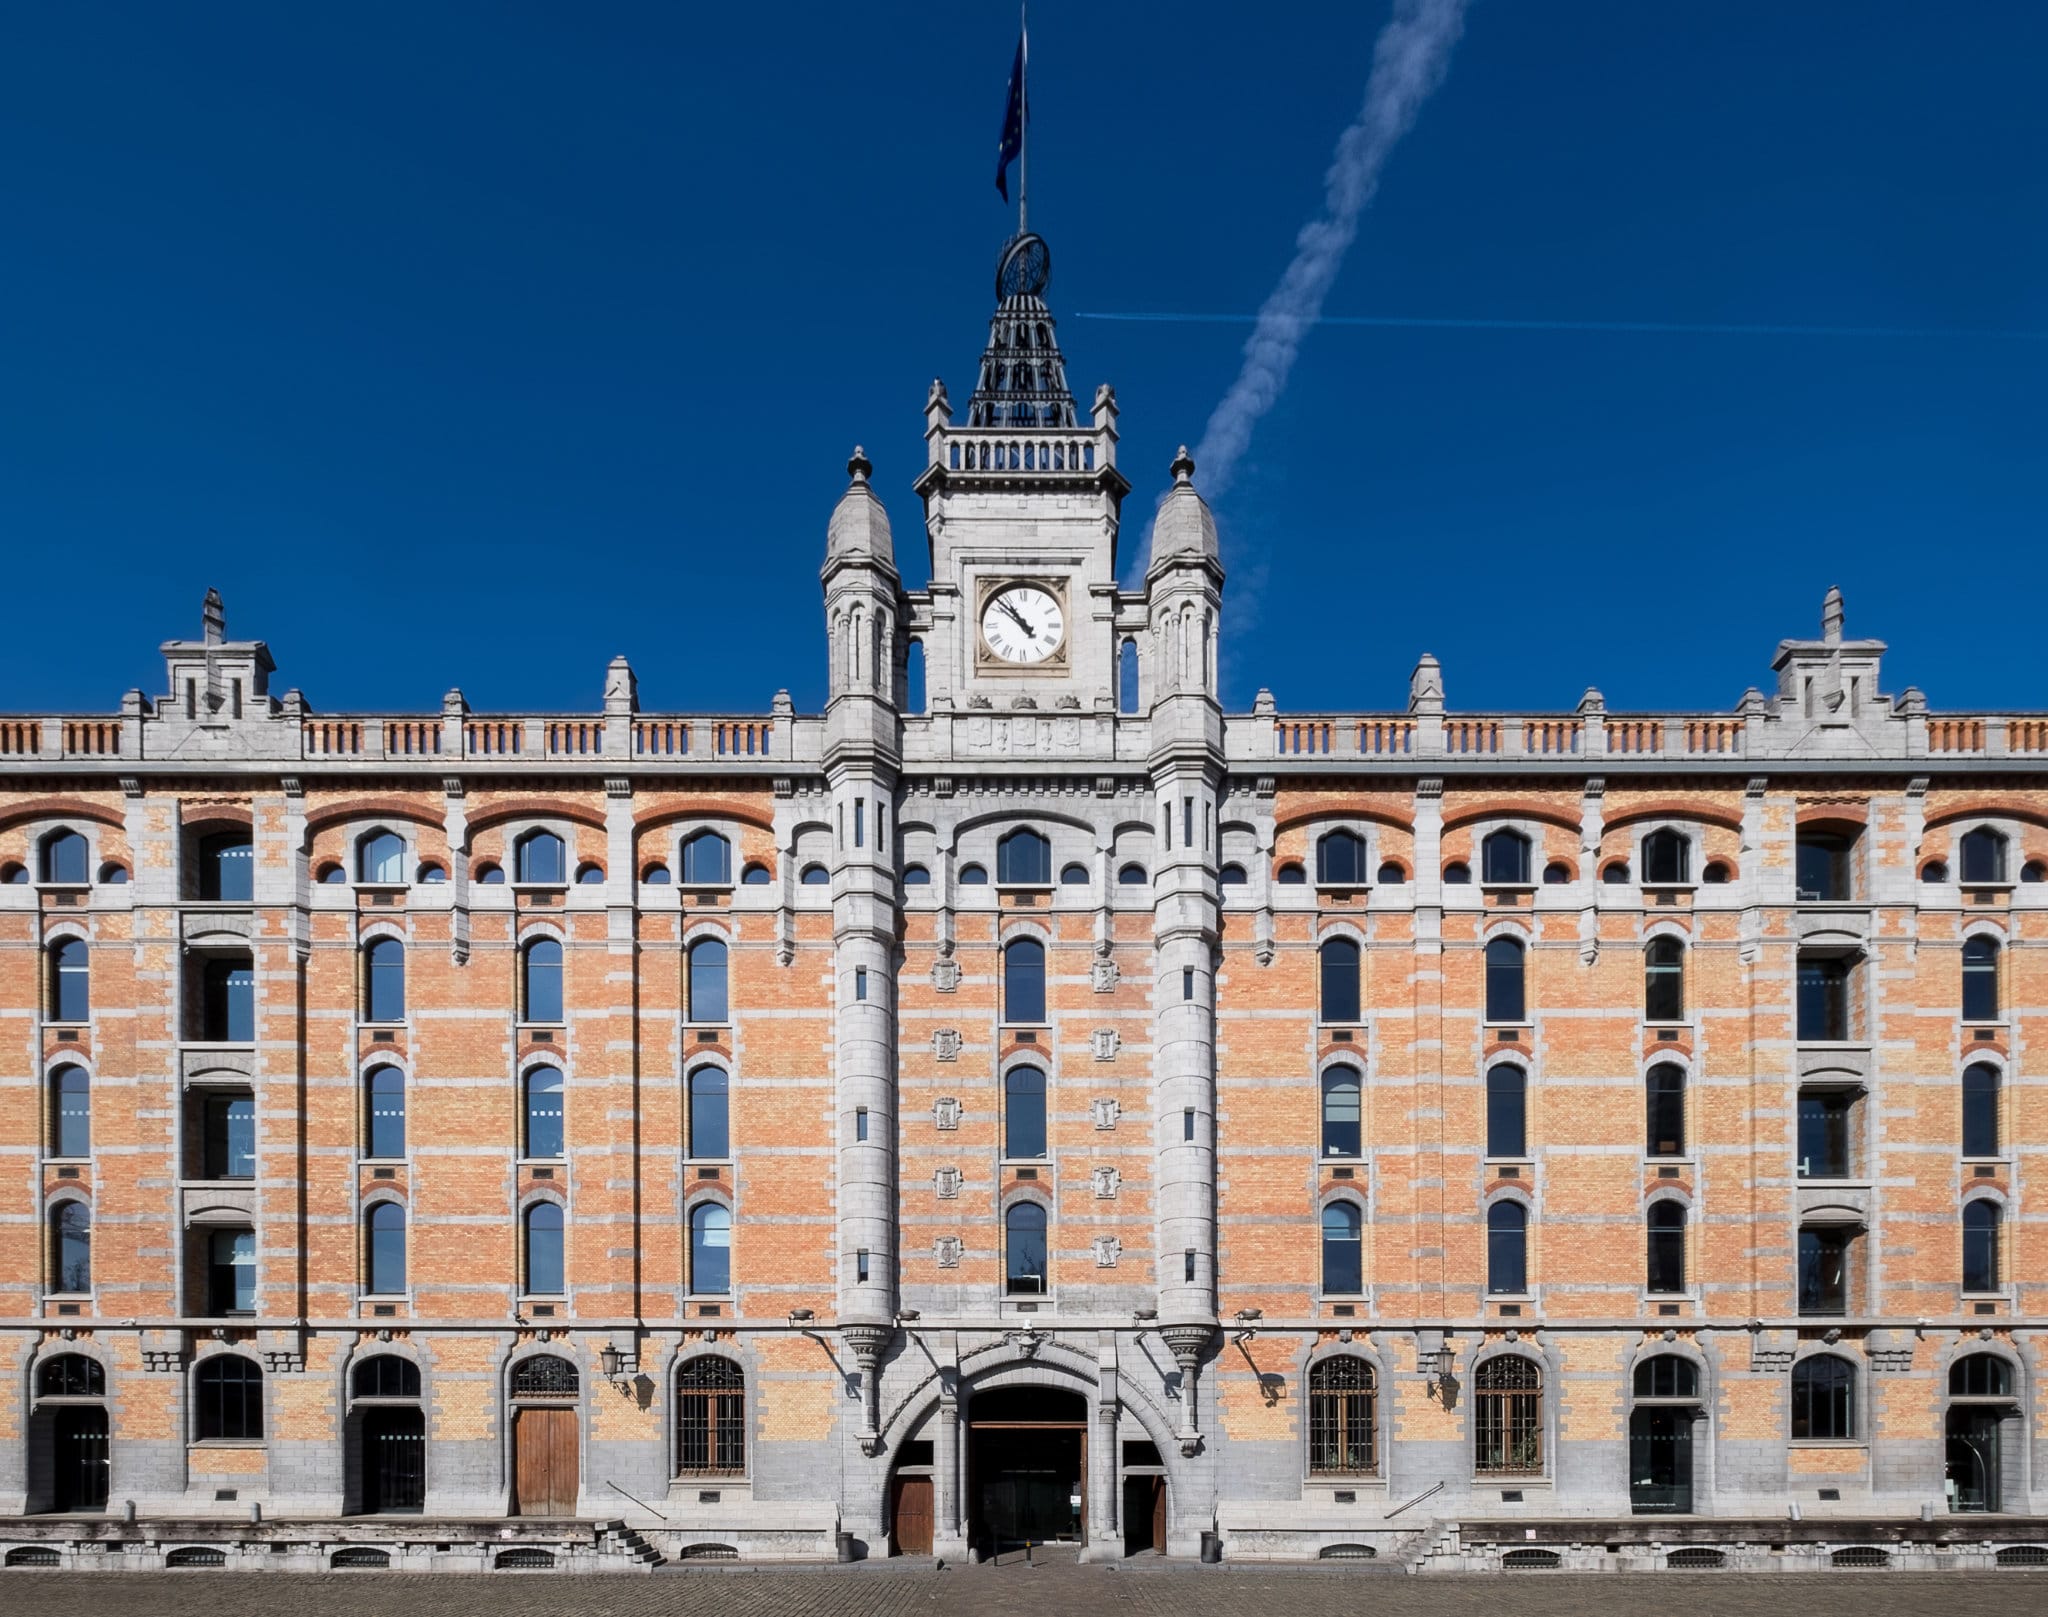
1340	993
1231	876
1505	998
1343	1250
708	981
541	968
973	876
707	860
710	1114
544	1250
73	1375
1342	1112
1667	858
1024	859
1980	1246
1024	1250
231	1272
228	1135
71	1247
1664	980
1507	1132
1666	1235
1980	979
1822	867
227	868
1132	876
384	1243
1504	859
819	876
1980	1375
1667	1376
385	981
1292	874
1023	980
542	859
1823	998
227	999
70	981
1340	859
385	1088
1826	1132
1664	1106
1824	1268
227	1394
1023	1114
1507	1249
1824	1399
66	859
710	1249
1980	1110
380	858
70	1112
1983	857
545	1112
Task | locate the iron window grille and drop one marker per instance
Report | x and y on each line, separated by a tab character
1342	1426
711	1418
1507	1400
545	1375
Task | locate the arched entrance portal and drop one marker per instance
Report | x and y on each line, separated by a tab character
1027	1458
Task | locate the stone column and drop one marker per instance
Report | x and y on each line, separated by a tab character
949	1529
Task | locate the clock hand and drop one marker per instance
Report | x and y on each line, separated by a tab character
1021	621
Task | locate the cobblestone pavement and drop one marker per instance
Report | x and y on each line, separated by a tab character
1015	1591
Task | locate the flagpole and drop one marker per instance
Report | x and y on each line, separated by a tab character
1024	120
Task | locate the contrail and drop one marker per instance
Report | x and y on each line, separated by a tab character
1677	327
1408	61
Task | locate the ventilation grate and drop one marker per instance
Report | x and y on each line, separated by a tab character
1695	1558
524	1559
1531	1561
44	1555
1861	1555
709	1552
360	1555
1347	1552
2011	1555
197	1555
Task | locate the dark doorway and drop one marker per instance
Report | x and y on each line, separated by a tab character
1660	1461
394	1460
1973	1457
910	1513
80	1482
1144	1515
1027	1455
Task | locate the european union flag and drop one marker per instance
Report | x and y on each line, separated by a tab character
1012	141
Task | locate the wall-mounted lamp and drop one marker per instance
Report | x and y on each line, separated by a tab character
1144	1316
802	1316
908	1316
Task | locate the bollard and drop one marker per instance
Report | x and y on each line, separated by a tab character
1027	1553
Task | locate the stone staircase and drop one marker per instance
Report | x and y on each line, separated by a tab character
616	1539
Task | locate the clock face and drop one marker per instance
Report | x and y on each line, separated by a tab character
1023	624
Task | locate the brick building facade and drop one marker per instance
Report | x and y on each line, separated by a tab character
1035	1104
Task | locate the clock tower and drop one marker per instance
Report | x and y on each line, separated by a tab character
1021	508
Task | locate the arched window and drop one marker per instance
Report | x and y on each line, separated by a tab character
1507	1416
973	876
1457	874
915	699
433	875
1342	1094
384	984
818	876
656	875
384	1249
708	998
1340	859
1339	957
1023	1114
1821	866
710	1249
1666	1235
710	1114
227	868
1980	1110
541	858
13	875
380	858
1823	1399
707	860
1077	876
541	968
231	1272
1980	979
1974	1375
1505	999
545	1376
1664	980
1343	1430
1616	873
1127	677
1132	876
1024	1250
1023	981
1983	855
70	1112
228	1390
386	1093
544	1276
1667	1375
589	875
913	875
1024	858
1980	1245
1716	873
755	874
1667	859
1292	874
1504	859
1507	1113
112	875
73	1375
545	1108
1557	873
66	858
1507	1249
71	1247
2034	870
1392	875
1343	1250
490	874
1935	870
1664	1106
385	1375
711	1417
70	981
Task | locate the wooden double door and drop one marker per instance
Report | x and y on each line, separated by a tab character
544	1466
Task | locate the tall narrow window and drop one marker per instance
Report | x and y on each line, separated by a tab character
1666	1268
66	859
1341	1112
71	1247
1980	1110
227	1000
1024	859
1504	859
544	1270
231	1272
1339	958
541	858
1667	859
1826	1132
1824	1268
228	1146
1024	1250
227	868
544	1113
70	1112
1507	1416
1983	857
1980	979
380	858
70	981
1664	1106
386	1086
708	999
1822	871
1340	859
385	988
1664	980
1343	1250
1023	981
710	1114
1127	678
1823	1399
1980	1246
710	1249
541	981
384	1241
1342	1428
711	1417
1506	1000
1507	1249
1507	1131
707	860
1023	1114
1823	998
228	1394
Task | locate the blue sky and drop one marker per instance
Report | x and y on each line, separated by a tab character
472	344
